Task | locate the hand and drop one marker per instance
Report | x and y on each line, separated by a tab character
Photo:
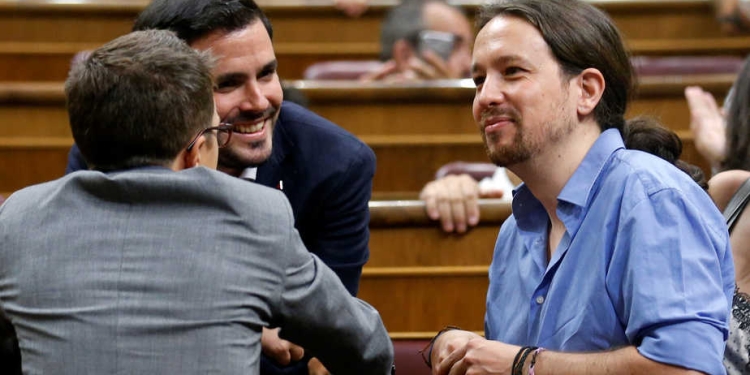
281	351
707	125
430	66
453	200
315	367
352	8
387	72
462	352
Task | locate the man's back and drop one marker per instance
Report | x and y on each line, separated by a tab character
152	271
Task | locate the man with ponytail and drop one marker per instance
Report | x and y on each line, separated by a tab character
614	261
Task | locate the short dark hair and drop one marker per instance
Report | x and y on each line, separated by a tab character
138	100
195	19
580	36
738	123
403	21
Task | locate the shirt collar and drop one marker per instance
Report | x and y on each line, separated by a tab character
580	186
529	212
249	173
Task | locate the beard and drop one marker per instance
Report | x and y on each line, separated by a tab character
245	155
526	142
519	151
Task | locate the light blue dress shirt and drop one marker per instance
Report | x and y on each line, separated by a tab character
645	261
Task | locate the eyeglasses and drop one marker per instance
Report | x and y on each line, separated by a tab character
223	135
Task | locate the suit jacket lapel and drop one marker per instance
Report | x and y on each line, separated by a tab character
272	171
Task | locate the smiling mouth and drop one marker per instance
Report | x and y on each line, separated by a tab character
249	129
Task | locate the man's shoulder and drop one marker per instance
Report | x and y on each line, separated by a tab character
643	176
650	171
28	197
236	191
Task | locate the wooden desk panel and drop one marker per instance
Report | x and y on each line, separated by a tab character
427	303
413	130
28	162
421	279
315	21
401	235
444	107
307	32
438	108
401	166
23	62
409	165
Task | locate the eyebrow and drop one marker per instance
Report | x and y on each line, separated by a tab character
503	60
239	76
234	76
269	68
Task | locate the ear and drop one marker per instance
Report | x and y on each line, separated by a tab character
591	85
192	158
402	53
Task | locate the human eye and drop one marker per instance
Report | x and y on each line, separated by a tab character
512	71
265	76
268	72
478	80
227	84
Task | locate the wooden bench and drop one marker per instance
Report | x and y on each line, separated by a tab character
39	37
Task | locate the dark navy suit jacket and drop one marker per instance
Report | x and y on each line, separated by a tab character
326	174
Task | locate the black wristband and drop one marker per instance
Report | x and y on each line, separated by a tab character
517	368
514	366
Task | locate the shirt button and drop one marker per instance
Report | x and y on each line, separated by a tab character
539	300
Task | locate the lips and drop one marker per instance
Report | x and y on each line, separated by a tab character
249	128
496	123
251	131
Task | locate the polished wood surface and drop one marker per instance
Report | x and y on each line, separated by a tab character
421	278
38	38
444	106
440	107
401	166
413	130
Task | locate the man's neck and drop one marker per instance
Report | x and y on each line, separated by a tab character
547	173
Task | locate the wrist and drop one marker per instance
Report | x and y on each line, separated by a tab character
519	361
533	361
426	352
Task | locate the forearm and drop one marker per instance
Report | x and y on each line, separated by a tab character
623	361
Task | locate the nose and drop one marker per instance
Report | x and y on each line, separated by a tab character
254	98
491	93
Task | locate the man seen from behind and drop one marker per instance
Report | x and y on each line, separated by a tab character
149	263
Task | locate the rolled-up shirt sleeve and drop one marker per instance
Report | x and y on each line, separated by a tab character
680	316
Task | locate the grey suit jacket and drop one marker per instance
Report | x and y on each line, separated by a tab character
151	271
